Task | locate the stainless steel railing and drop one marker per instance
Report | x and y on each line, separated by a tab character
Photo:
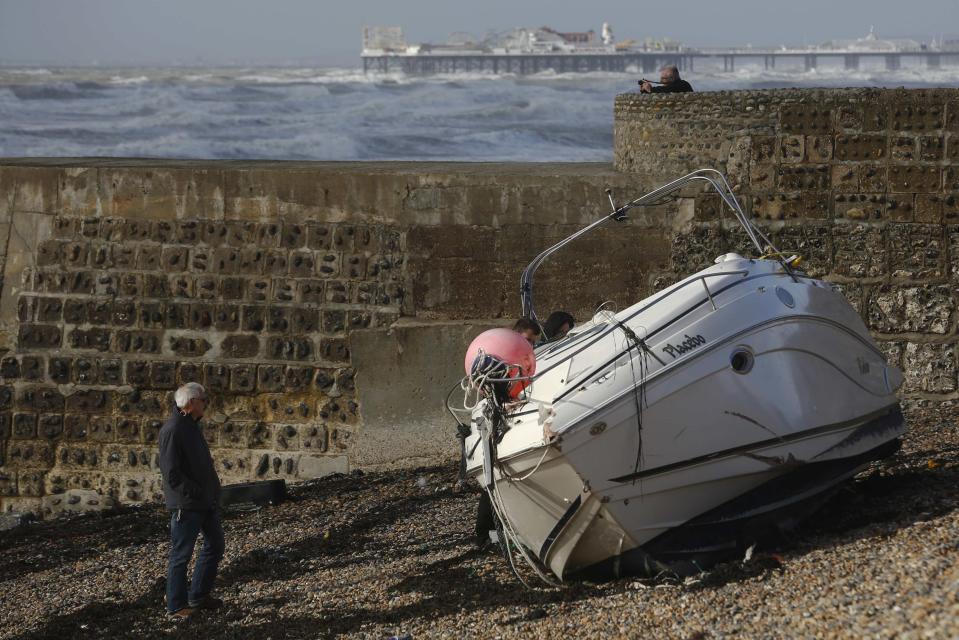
716	179
612	327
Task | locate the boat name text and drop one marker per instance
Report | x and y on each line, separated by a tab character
685	346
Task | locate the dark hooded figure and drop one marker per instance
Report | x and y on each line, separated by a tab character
557	325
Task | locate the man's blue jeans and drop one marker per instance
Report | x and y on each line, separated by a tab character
185	526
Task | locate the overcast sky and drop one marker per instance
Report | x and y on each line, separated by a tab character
328	31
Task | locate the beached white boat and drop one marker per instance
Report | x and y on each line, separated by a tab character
688	424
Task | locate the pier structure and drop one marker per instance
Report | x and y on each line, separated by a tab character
523	63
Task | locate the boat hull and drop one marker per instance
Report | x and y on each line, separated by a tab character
679	444
727	530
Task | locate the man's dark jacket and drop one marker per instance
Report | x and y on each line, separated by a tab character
680	86
189	478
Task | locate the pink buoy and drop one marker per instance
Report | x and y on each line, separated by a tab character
510	348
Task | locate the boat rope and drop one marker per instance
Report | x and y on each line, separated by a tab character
530	473
504	527
463	431
478	385
512	545
486	372
639	386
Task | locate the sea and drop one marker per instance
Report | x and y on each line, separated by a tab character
308	113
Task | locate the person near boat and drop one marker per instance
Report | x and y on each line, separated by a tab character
191	488
557	325
528	328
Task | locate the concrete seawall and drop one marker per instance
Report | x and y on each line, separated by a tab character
327	305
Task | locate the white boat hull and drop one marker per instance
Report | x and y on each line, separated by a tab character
618	449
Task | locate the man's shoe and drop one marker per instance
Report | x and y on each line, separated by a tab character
182	614
207	602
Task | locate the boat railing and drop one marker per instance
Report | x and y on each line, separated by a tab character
716	179
612	326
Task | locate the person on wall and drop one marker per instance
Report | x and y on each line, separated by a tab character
670	82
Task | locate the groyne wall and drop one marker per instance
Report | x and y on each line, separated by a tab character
863	183
326	306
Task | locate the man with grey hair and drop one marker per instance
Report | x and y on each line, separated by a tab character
670	82
191	488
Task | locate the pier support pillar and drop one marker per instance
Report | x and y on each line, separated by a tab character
933	60
893	62
810	61
851	61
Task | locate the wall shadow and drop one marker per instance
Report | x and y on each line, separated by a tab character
47	545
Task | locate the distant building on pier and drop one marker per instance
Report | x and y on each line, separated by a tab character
525	50
872	43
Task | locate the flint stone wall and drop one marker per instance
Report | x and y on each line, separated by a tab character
326	307
864	183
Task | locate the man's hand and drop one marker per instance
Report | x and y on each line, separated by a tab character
645	86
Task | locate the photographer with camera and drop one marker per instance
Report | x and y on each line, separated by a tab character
670	82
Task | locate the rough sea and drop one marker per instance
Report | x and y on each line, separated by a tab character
340	114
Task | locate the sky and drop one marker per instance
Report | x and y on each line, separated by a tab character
327	32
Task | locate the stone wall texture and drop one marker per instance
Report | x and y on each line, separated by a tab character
864	183
327	306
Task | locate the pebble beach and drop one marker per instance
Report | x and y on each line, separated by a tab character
392	554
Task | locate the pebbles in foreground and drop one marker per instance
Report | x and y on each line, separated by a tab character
376	555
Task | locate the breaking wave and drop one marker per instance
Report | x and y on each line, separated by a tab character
342	114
